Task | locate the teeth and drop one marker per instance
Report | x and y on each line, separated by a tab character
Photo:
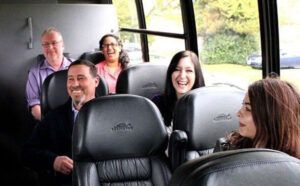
76	91
182	83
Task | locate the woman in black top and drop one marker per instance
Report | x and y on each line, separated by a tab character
183	75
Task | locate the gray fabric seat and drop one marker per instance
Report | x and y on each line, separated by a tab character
201	117
245	167
120	140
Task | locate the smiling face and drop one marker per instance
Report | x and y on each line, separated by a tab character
111	49
183	78
247	126
81	85
53	47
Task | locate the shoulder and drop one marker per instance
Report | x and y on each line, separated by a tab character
36	65
100	64
59	112
159	101
67	62
158	98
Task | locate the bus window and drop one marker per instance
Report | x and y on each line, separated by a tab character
162	49
132	45
160	16
228	39
127	17
163	15
289	34
126	13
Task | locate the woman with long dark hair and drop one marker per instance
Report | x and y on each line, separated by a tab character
269	118
183	75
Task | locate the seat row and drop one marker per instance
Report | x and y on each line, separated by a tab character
143	79
121	139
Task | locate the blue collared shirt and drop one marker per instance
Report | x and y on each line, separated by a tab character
75	112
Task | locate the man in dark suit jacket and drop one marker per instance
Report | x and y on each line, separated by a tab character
49	147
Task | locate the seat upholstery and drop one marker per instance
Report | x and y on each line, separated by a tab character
247	167
120	140
145	80
201	117
54	91
94	57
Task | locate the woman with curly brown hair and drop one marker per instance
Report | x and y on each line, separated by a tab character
116	59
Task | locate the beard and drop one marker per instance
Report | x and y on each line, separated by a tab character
78	102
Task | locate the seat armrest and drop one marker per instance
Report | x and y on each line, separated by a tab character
177	144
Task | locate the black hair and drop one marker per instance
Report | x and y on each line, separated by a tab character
170	91
123	56
93	69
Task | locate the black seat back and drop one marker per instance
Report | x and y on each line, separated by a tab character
200	118
120	140
145	80
94	57
247	167
54	91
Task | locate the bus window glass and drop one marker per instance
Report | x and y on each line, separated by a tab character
229	41
132	45
127	18
163	15
126	12
162	49
289	38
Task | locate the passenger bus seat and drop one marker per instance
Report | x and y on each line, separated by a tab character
120	140
146	79
201	117
94	57
247	167
54	91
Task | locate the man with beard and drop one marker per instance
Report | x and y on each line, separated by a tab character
49	147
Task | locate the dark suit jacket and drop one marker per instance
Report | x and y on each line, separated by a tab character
51	138
161	102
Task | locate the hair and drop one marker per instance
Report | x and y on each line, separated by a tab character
51	29
170	92
275	108
123	56
93	69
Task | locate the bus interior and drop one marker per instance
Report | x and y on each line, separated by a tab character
228	36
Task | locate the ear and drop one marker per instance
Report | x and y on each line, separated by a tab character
97	79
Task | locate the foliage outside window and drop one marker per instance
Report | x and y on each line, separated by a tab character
228	30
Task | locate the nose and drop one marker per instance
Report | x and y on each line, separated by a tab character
75	83
50	46
182	73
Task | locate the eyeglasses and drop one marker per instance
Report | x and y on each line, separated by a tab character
53	43
113	45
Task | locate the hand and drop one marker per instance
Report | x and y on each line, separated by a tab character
36	112
63	164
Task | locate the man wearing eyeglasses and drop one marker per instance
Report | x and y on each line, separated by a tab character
53	47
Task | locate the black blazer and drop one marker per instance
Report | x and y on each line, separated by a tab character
51	138
167	113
